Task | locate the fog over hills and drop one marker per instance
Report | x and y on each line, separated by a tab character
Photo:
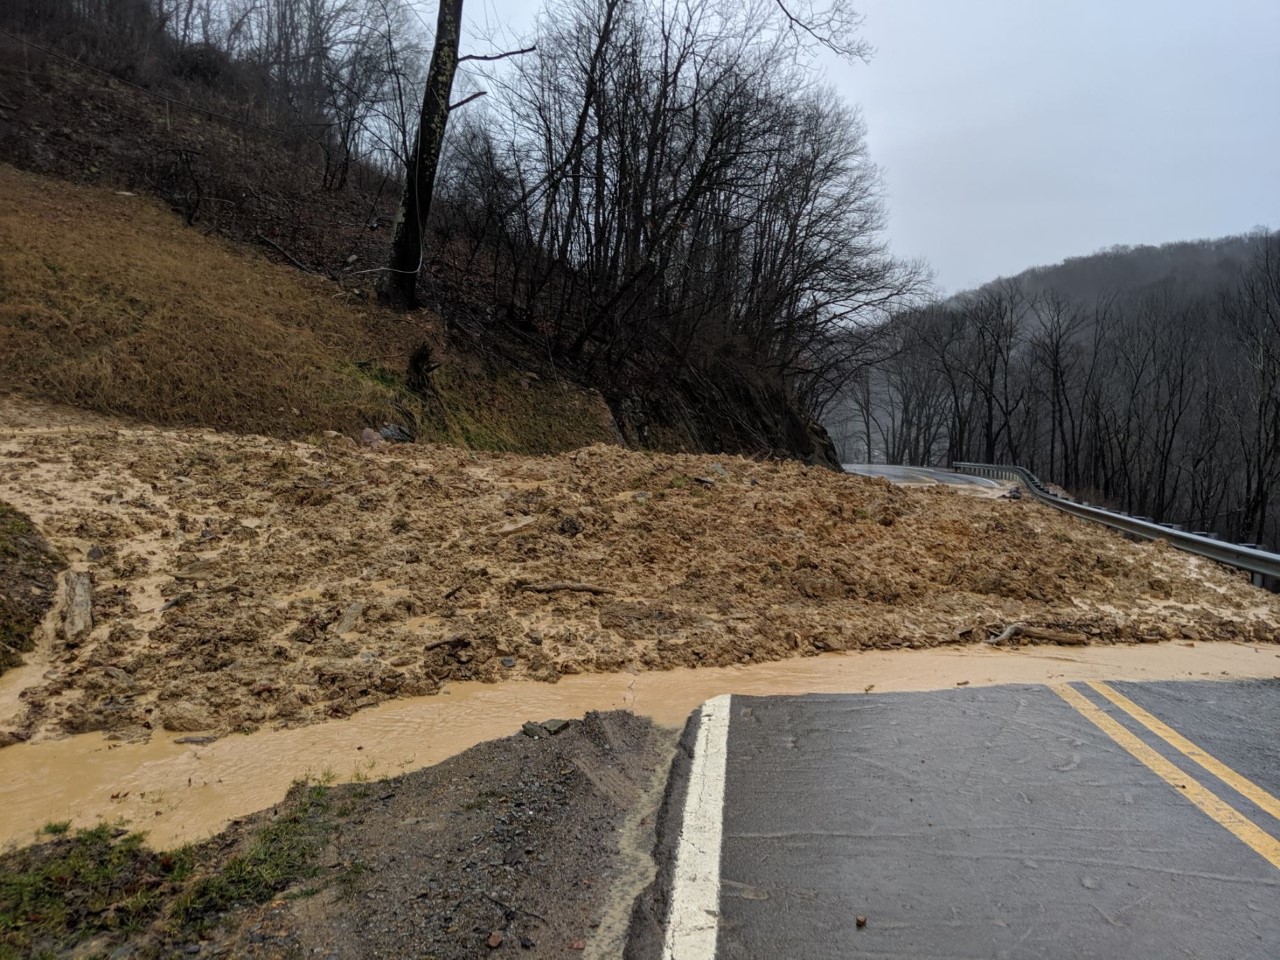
1190	267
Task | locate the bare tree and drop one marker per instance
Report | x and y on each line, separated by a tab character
399	283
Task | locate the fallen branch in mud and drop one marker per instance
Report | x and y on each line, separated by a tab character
448	642
1064	637
557	586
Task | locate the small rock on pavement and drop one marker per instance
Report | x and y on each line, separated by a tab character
495	940
860	922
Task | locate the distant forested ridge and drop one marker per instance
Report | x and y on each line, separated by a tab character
1147	378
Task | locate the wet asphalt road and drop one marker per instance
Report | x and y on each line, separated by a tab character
999	822
925	475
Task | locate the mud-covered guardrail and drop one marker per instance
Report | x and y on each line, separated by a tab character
1260	563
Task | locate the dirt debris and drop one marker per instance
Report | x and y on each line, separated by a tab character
28	568
242	580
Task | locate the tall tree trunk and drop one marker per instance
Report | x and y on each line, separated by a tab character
399	284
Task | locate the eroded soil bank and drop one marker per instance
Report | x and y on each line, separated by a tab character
241	582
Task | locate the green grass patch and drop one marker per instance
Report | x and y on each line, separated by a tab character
106	884
281	854
94	882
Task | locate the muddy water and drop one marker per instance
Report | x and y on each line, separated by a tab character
180	792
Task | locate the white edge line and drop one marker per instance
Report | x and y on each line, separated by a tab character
693	920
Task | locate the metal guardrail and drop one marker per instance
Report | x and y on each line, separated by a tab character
1259	563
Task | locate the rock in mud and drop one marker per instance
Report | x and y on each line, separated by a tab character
569	527
77	618
347	622
201	569
395	433
183	716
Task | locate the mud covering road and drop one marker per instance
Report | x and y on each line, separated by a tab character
529	846
242	581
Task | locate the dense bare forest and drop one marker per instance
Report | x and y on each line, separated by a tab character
657	199
1145	378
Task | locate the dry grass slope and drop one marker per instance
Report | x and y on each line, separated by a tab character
110	303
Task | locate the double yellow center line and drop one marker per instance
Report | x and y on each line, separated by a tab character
1209	803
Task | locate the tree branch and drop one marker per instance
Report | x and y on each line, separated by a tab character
495	56
463	102
830	36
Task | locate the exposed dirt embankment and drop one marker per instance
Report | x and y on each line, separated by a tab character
240	581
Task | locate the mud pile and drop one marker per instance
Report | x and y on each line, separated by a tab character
241	581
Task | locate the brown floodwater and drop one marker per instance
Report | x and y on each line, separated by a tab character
182	792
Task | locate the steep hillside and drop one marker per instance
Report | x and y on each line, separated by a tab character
110	303
251	182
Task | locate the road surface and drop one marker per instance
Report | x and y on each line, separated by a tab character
921	475
1069	821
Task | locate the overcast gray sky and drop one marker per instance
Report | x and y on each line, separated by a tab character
1018	132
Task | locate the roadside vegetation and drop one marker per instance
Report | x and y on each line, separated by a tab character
512	841
103	885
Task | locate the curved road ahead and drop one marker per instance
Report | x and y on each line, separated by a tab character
925	475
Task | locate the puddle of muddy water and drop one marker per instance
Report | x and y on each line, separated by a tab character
181	792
